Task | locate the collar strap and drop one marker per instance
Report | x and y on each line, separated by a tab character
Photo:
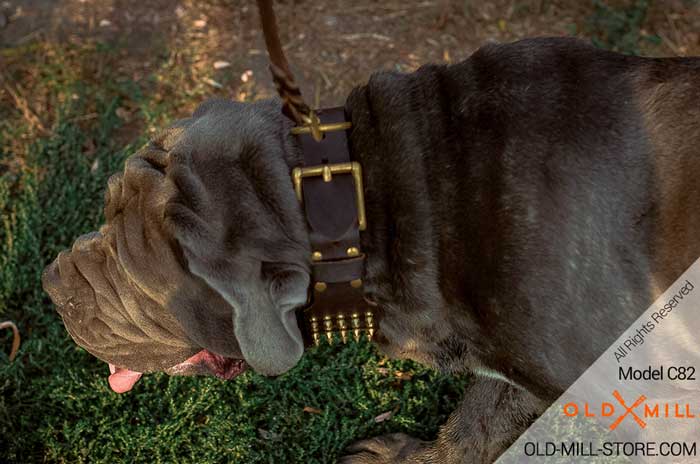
329	185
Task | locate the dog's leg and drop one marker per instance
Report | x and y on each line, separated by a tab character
491	416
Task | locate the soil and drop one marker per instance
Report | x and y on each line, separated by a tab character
332	45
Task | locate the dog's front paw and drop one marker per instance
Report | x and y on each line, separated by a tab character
386	449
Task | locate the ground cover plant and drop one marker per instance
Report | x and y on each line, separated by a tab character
74	105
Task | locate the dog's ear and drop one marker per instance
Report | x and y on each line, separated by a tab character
262	303
240	228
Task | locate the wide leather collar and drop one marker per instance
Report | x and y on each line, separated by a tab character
329	185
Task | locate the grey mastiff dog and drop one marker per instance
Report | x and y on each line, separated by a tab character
523	207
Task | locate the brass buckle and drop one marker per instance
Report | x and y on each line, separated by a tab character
327	171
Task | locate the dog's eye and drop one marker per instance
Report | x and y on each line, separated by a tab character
278	270
288	284
268	270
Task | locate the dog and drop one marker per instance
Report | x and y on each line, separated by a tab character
523	208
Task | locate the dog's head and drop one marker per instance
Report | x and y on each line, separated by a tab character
203	256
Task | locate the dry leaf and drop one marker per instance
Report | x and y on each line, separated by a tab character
200	24
105	23
221	64
383	370
383	416
246	75
403	375
312	410
212	82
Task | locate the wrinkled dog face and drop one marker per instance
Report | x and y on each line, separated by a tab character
203	256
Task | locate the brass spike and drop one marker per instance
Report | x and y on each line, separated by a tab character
328	328
357	283
353	251
314	331
316	256
355	322
343	326
369	319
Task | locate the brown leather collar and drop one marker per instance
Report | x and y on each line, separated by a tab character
329	184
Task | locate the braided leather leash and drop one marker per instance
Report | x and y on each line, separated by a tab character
293	104
329	186
15	338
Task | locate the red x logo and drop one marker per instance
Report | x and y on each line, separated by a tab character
628	410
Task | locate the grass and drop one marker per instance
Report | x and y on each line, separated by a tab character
55	404
69	117
619	28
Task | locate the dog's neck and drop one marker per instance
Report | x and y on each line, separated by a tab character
405	135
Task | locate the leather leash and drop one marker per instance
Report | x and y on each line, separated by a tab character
329	186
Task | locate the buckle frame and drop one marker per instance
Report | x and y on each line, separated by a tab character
326	171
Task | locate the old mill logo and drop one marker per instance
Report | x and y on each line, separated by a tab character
621	410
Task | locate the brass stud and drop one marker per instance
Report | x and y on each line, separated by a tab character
320	287
357	283
343	326
353	251
316	256
355	322
328	328
314	331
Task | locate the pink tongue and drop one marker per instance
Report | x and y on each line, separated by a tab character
122	380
